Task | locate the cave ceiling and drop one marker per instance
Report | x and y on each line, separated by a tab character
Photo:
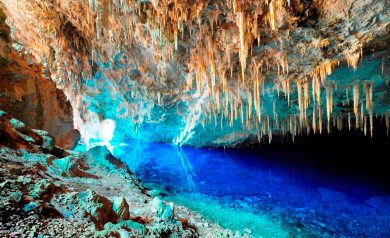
211	73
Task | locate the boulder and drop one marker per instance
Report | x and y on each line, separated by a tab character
121	208
72	166
88	204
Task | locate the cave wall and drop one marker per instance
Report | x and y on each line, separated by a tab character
31	96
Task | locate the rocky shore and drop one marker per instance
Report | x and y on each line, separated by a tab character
47	191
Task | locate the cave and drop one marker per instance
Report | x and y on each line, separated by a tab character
194	118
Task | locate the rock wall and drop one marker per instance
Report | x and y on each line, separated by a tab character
30	95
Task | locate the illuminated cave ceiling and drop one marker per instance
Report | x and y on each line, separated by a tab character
211	72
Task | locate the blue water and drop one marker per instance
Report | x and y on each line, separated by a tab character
245	189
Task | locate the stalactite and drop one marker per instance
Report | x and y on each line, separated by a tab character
329	102
353	60
347	95
356	104
271	17
362	113
314	121
368	94
175	35
233	27
349	121
320	72
306	94
243	49
288	91
365	125
369	103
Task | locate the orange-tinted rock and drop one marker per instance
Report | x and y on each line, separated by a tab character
121	208
91	204
184	222
29	96
12	138
281	41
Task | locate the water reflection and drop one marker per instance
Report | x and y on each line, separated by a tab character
237	188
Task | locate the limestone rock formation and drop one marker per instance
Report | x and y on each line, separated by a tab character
32	97
121	208
172	71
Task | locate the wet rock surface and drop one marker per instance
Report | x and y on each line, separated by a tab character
49	192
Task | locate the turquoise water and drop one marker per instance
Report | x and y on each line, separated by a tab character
248	189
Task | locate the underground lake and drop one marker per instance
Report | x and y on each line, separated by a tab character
273	192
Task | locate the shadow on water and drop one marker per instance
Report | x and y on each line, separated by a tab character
338	189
